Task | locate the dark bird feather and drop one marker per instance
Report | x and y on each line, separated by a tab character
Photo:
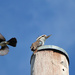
2	38
12	42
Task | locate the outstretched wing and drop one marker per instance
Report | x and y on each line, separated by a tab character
2	38
4	50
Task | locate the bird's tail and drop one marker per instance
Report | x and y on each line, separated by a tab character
12	42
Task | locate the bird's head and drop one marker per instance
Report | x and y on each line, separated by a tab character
43	37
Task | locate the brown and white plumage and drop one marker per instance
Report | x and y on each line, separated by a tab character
35	45
39	42
3	43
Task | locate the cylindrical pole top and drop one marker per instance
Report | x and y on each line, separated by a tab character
54	48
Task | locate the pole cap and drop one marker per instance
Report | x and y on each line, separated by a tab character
54	48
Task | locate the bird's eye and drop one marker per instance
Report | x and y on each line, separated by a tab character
42	36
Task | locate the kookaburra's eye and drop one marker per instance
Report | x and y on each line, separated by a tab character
43	36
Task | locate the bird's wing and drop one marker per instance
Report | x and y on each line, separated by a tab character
36	44
4	50
2	38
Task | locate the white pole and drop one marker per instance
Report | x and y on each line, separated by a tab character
49	62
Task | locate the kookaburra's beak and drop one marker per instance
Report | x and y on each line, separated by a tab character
48	36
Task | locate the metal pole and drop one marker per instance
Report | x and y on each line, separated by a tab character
50	60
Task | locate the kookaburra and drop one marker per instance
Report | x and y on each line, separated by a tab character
39	42
3	43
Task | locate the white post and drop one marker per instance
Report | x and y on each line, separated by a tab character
49	61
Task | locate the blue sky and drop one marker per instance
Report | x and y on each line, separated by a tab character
28	19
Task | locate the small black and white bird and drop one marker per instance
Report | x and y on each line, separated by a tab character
3	43
39	42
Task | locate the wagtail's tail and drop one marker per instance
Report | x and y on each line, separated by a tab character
12	42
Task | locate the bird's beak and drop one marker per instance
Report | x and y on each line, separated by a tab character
48	36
